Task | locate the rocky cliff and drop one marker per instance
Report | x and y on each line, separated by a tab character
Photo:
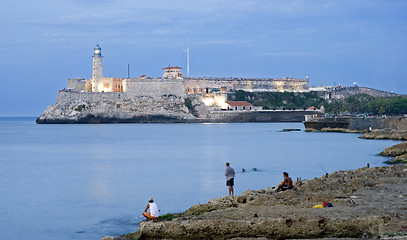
84	107
150	107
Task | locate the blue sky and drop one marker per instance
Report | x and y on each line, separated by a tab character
46	42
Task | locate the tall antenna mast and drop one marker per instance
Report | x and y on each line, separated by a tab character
128	70
187	51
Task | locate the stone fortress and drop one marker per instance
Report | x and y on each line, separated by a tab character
173	98
173	82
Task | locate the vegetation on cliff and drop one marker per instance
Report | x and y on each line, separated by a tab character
360	103
274	100
363	103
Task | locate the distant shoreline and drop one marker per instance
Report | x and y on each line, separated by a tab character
216	117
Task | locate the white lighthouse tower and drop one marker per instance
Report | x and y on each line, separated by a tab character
97	71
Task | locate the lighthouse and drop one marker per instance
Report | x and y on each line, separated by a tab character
97	70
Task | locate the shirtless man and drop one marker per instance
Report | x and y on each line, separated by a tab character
286	184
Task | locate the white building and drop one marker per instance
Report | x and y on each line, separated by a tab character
239	106
172	72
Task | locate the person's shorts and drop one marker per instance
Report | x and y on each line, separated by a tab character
230	182
148	215
285	187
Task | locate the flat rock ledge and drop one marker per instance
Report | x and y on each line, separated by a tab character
398	151
386	134
369	203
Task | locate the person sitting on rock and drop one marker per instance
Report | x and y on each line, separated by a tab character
287	183
153	214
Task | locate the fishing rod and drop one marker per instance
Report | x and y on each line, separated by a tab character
350	199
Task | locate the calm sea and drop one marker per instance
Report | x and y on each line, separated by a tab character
61	182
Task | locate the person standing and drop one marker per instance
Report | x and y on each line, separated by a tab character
230	176
153	214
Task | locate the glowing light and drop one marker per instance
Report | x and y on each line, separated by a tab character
208	101
223	105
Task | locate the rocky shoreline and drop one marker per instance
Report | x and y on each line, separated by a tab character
369	203
385	134
378	211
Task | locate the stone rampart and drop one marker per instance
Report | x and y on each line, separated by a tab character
154	87
200	85
77	84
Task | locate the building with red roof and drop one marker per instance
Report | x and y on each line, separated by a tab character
239	106
172	72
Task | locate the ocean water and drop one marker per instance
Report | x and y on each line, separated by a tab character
85	181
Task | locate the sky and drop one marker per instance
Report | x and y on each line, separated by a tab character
45	42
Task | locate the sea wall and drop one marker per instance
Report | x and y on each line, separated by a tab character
390	123
357	123
260	116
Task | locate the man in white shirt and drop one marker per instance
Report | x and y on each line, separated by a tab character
153	214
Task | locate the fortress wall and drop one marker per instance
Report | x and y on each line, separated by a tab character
154	87
153	91
68	98
76	83
161	86
196	85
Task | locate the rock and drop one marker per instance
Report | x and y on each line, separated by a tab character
396	150
289	214
386	134
108	238
85	107
398	160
